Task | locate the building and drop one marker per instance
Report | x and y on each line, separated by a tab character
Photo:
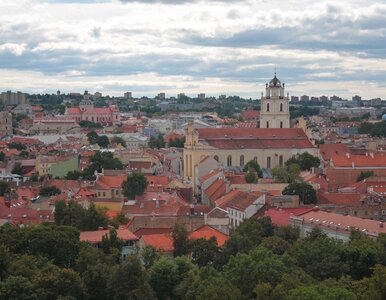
5	123
128	95
356	98
304	98
294	98
161	96
87	112
56	166
234	147
55	125
9	98
97	95
201	96
274	106
323	98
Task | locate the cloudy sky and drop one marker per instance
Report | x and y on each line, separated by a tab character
216	47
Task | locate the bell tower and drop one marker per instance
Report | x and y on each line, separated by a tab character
274	107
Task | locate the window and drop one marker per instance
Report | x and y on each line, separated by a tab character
242	160
229	160
216	158
281	124
267	107
281	107
281	160
267	124
268	162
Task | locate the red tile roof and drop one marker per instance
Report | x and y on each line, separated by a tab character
161	242
362	161
254	138
206	232
216	189
339	198
107	181
280	217
96	236
150	231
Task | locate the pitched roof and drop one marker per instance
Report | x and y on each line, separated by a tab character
207	232
150	231
281	216
97	235
216	189
364	161
107	181
161	242
254	138
339	198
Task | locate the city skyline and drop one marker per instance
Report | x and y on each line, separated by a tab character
324	48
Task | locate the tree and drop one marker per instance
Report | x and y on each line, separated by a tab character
305	161
135	184
364	174
118	220
164	278
157	142
73	175
305	191
103	141
92	137
5	260
50	191
17	146
177	142
2	156
118	141
250	176
252	164
204	252
286	174
149	256
5	187
17	169
181	245
17	288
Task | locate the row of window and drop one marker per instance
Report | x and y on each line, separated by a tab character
281	124
242	161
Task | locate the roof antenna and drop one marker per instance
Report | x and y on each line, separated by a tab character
275	70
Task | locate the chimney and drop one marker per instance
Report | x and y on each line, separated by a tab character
381	225
348	155
372	155
191	209
353	165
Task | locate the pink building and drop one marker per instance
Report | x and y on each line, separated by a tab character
87	112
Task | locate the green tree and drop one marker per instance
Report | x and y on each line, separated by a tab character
118	220
5	260
364	174
92	137
17	169
177	142
305	191
103	141
5	187
17	146
164	278
305	161
73	175
287	174
157	142
252	164
94	218
135	184
96	278
204	252
50	191
2	156
250	176
17	288
181	244
118	141
149	256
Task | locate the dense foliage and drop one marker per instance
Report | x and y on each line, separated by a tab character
364	174
5	187
157	142
373	129
305	161
135	184
305	191
252	164
259	261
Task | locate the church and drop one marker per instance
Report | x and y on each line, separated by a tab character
87	112
270	145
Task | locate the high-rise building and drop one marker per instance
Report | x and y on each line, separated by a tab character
5	123
201	96
128	95
294	98
10	98
323	98
356	98
304	98
274	111
161	96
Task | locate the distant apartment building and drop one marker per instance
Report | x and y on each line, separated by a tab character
201	96
161	96
181	95
294	98
128	95
222	97
5	123
356	98
304	98
323	98
376	102
335	98
314	98
10	98
97	95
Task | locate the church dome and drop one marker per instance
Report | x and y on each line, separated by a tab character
275	82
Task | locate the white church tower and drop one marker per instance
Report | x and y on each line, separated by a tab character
274	107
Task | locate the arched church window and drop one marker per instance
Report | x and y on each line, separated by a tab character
267	124
268	162
281	107
242	160
229	160
281	160
267	107
281	124
216	158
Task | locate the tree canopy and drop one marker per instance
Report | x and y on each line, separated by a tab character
135	184
305	191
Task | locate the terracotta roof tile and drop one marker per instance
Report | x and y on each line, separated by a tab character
206	232
96	236
161	242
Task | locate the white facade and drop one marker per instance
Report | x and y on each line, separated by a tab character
274	111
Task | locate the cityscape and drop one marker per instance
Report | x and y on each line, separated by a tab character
192	150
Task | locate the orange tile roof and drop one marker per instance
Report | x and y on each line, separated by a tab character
209	175
221	202
250	114
97	235
206	232
254	138
111	181
280	217
334	220
216	189
161	242
361	161
339	198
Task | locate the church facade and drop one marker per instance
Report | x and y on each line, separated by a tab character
87	112
234	147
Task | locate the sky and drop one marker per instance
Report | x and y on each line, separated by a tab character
227	47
